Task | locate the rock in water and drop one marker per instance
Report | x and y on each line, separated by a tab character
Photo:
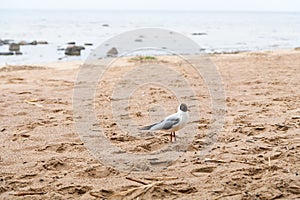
42	42
6	53
113	52
7	41
33	42
73	50
199	33
14	47
23	42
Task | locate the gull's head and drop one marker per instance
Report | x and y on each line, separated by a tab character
183	107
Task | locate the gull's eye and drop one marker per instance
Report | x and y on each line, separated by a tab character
183	107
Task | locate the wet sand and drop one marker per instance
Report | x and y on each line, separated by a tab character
256	155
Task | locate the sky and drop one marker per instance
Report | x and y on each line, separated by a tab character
209	5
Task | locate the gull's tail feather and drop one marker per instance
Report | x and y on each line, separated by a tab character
147	127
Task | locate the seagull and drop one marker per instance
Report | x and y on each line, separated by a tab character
171	123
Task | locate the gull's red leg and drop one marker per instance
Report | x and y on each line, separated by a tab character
174	136
171	135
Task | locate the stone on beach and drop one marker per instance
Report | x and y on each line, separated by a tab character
113	52
14	47
74	50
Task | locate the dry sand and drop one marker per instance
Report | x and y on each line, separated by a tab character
256	155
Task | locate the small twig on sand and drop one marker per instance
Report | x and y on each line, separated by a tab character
161	178
214	160
33	103
223	161
29	193
135	180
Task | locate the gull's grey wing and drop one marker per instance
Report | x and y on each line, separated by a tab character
165	124
169	123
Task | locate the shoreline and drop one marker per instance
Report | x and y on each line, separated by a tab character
69	64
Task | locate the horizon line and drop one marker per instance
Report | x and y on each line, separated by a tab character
153	10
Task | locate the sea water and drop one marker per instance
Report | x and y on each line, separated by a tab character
219	31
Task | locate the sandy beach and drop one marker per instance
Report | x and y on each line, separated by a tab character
256	155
